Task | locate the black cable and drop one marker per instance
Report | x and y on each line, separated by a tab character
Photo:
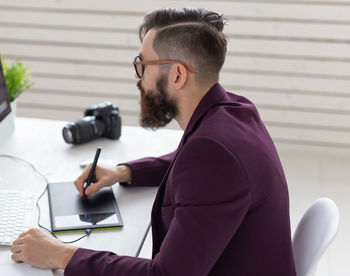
87	231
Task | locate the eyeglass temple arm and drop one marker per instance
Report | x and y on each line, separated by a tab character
155	62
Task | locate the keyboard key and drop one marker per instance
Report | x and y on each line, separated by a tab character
16	214
7	239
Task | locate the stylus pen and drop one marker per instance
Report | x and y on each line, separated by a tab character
92	172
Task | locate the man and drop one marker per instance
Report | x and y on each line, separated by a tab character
222	206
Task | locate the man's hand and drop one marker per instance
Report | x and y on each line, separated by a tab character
103	177
38	249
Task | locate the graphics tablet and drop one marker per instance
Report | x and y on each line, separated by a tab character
68	211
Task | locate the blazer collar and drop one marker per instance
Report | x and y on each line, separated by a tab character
207	102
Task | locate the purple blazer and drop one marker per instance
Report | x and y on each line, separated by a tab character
222	207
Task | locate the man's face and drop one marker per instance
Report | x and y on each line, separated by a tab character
157	108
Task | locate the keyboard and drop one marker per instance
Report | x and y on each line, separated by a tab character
16	214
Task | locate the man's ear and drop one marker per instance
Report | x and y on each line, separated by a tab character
180	76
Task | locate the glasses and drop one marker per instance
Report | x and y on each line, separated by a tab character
139	65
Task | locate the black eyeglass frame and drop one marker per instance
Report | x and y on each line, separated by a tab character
157	62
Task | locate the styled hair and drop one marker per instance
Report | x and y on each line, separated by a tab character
192	35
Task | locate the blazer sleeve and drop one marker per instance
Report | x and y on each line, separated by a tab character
149	171
211	196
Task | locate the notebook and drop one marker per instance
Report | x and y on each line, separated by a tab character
69	212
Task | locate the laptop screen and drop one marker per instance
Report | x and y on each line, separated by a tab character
5	107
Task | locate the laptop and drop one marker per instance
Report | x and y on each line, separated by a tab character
16	207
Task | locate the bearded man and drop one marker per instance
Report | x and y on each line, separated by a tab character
222	207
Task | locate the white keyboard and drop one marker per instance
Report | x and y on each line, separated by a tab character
16	214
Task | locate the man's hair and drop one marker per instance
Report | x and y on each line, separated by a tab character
190	35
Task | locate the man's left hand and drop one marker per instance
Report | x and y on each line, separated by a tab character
38	249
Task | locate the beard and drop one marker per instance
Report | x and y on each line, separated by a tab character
157	109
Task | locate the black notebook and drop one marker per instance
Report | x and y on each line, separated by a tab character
69	212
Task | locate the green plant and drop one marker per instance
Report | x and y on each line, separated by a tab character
17	77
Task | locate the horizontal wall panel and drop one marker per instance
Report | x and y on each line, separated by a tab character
104	72
283	47
130	41
282	11
286	29
127	71
282	99
276	81
237	77
316	10
247	47
120	57
113	23
287	90
128	87
73	102
299	66
81	70
311	102
299	117
76	55
119	86
37	19
35	111
74	37
310	137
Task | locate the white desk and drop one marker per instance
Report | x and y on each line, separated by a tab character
40	142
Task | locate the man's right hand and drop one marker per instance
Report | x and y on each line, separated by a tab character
103	177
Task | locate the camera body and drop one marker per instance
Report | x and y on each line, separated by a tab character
99	120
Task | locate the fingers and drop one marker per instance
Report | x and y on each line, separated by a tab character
94	188
102	177
17	257
16	248
18	241
23	234
79	182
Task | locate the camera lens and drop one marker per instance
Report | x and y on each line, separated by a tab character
69	132
83	130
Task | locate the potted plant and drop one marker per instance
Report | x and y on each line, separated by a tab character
17	78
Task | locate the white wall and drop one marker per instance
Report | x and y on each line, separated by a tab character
292	58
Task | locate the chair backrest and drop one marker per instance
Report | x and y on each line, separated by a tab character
314	233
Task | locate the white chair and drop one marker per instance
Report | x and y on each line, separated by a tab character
314	233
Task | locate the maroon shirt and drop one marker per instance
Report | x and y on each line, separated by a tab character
222	207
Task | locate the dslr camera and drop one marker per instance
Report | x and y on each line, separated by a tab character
99	120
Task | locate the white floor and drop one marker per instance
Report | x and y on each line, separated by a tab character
314	172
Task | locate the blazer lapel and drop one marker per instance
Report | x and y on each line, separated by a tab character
157	233
208	101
